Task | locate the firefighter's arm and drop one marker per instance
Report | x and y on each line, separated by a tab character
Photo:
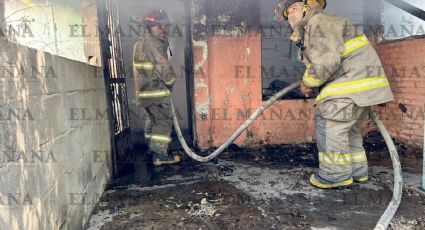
142	65
139	65
324	52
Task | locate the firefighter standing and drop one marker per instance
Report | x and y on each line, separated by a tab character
154	80
343	66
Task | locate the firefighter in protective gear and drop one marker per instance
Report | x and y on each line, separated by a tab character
154	80
346	70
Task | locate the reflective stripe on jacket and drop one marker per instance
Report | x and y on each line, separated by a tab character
153	74
342	62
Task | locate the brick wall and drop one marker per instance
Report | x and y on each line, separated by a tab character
228	84
228	89
222	91
404	63
220	96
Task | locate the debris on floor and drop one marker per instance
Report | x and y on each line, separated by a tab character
202	210
402	223
256	189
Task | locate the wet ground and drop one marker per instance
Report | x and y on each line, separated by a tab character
263	188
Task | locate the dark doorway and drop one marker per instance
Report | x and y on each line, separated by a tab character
124	30
280	64
130	34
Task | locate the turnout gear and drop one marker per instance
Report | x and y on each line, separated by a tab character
154	80
339	140
361	179
341	61
158	127
153	73
319	182
162	160
346	69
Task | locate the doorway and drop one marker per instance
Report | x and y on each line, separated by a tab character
126	31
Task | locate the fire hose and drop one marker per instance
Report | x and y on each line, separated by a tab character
389	213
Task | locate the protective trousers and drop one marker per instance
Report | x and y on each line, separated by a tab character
339	140
158	128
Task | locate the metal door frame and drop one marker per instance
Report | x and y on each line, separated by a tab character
190	75
116	87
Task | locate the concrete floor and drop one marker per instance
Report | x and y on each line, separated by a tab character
265	188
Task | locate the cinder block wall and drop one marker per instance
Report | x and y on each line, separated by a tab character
404	63
55	142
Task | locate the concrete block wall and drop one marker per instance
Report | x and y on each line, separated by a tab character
54	139
51	29
404	63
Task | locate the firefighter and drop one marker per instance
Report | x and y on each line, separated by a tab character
345	70
154	80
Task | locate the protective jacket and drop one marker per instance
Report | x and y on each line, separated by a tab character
153	73
341	61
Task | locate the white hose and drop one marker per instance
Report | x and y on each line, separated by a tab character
389	213
238	132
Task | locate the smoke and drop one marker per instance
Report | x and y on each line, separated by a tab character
131	13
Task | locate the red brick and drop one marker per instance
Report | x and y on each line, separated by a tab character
408	89
246	93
